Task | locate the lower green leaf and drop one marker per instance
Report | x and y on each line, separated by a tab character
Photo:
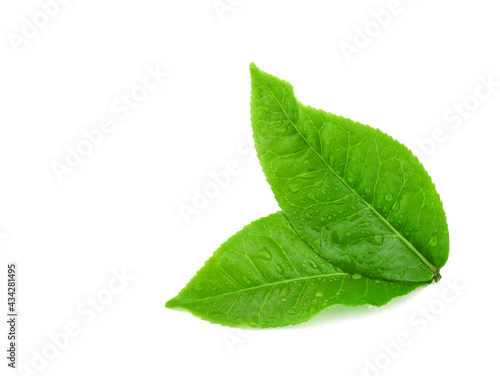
267	276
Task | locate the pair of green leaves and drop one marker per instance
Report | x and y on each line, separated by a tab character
361	221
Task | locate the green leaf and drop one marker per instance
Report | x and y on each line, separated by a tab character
361	221
359	198
267	276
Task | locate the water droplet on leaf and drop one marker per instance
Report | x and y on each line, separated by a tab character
313	264
264	254
433	241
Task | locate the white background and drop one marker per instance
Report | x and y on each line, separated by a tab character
120	207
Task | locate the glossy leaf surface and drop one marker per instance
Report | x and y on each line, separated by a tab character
361	221
353	193
266	276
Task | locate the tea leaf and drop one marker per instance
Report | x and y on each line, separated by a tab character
266	276
361	221
359	198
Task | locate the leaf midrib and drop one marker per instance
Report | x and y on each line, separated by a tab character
265	285
433	268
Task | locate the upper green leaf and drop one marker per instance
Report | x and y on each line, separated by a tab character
359	198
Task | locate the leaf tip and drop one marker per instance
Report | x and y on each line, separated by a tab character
172	303
255	73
